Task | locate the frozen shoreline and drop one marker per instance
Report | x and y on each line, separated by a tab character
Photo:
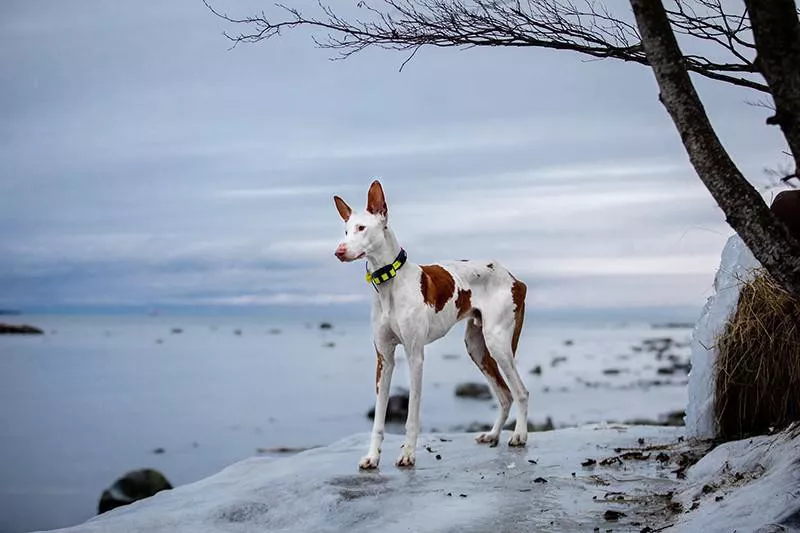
743	485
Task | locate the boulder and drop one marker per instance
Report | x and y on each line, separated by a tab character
396	408
133	486
19	329
786	207
479	391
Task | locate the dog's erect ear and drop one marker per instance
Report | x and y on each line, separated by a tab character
376	202
343	208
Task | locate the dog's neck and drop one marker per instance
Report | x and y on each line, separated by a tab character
385	254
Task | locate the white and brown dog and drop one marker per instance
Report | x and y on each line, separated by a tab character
415	305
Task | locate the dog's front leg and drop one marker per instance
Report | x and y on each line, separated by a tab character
408	456
383	383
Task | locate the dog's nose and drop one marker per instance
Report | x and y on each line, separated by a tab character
341	252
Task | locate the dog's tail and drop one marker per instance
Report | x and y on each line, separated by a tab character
518	292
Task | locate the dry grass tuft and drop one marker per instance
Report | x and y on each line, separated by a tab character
758	366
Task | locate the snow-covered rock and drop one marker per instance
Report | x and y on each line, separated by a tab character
736	267
751	485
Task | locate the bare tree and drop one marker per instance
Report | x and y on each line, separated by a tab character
755	45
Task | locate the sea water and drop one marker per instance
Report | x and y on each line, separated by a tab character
96	397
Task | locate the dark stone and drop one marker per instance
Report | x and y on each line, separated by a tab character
611	514
547	426
480	391
673	418
177	331
326	325
786	207
396	408
475	427
19	329
537	370
133	486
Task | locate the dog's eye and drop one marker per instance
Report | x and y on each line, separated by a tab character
360	228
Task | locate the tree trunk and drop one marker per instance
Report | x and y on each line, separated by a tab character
769	240
776	31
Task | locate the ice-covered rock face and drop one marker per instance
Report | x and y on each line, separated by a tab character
736	267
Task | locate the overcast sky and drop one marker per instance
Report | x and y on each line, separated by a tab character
142	162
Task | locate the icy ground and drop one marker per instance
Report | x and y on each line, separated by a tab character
456	486
636	483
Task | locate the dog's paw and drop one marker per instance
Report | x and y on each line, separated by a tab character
488	438
405	461
518	440
369	462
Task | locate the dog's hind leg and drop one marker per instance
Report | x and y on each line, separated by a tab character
478	352
499	345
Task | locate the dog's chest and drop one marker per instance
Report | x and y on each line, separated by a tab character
404	312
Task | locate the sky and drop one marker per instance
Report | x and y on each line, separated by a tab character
145	163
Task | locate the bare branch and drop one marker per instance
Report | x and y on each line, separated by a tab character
584	26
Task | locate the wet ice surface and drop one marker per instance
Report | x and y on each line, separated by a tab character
471	488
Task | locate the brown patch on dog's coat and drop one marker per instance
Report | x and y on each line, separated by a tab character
343	208
463	302
378	369
437	286
489	366
518	292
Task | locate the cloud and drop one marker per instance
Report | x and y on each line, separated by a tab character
157	166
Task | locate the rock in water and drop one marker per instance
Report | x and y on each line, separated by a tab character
396	408
480	391
133	486
19	329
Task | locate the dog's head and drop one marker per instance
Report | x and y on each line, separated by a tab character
364	232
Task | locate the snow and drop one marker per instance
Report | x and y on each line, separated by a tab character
747	485
321	490
736	267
